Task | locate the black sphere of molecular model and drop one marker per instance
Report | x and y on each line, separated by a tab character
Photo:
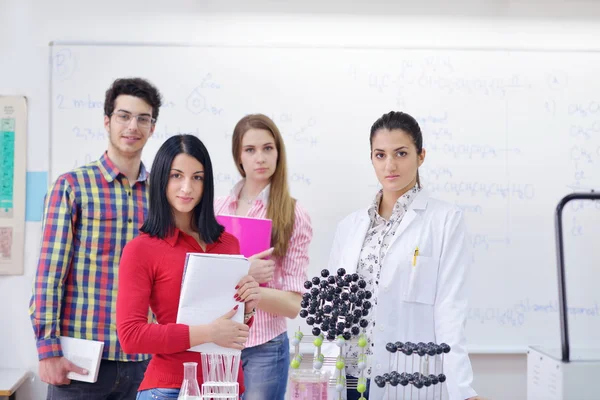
417	380
336	304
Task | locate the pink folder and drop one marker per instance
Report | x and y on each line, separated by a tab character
254	234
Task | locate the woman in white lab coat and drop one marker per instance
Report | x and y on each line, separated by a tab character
410	249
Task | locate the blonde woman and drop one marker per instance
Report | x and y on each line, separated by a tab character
259	154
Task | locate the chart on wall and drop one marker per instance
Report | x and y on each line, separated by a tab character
13	119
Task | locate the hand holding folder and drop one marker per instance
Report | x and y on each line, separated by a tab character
207	292
262	268
254	235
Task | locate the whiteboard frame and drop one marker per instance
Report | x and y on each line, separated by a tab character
308	46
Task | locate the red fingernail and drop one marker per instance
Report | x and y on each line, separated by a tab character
236	307
237	287
235	296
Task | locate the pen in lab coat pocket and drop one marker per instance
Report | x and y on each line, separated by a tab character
415	257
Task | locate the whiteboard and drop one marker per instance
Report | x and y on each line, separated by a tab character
507	133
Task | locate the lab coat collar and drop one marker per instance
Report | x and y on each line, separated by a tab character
418	203
352	250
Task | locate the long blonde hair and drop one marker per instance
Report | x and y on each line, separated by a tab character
281	207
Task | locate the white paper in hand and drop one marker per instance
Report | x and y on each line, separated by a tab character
85	354
207	292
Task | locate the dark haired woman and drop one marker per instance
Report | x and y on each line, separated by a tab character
410	250
180	220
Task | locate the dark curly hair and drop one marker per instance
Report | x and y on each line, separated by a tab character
136	87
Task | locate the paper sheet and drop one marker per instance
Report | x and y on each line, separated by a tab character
85	354
208	291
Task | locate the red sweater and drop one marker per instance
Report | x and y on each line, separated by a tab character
150	275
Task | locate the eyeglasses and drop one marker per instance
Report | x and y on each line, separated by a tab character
143	121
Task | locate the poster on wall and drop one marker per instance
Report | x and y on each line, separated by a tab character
13	133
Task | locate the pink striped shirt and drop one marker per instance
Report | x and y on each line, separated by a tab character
290	271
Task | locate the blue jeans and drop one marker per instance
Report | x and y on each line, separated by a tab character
266	369
352	394
117	380
158	394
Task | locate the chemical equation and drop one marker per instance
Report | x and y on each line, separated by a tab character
301	178
520	191
502	316
439	133
80	103
300	133
63	64
585	109
434	126
473	150
165	132
587	131
303	135
473	86
584	155
282	118
558	80
450	84
90	134
409	72
582	205
226	178
581	171
88	102
196	102
437	173
517	314
487	242
584	161
470	208
208	82
576	228
432	119
232	178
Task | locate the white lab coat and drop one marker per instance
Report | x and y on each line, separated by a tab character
426	303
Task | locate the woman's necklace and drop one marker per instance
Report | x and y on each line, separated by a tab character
246	200
249	202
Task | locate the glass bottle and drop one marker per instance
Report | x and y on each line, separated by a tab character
189	388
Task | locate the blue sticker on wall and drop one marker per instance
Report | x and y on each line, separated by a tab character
36	188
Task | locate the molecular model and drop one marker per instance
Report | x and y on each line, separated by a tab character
422	378
335	307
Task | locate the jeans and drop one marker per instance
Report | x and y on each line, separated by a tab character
352	394
266	369
117	380
158	394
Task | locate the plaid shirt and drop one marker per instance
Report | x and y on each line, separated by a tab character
90	214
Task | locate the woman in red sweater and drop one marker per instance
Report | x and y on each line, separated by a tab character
180	220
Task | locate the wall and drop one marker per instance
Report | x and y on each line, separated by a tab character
26	28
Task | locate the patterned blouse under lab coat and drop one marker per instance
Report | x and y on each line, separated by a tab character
371	258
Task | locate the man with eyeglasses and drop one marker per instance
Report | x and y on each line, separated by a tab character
90	214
